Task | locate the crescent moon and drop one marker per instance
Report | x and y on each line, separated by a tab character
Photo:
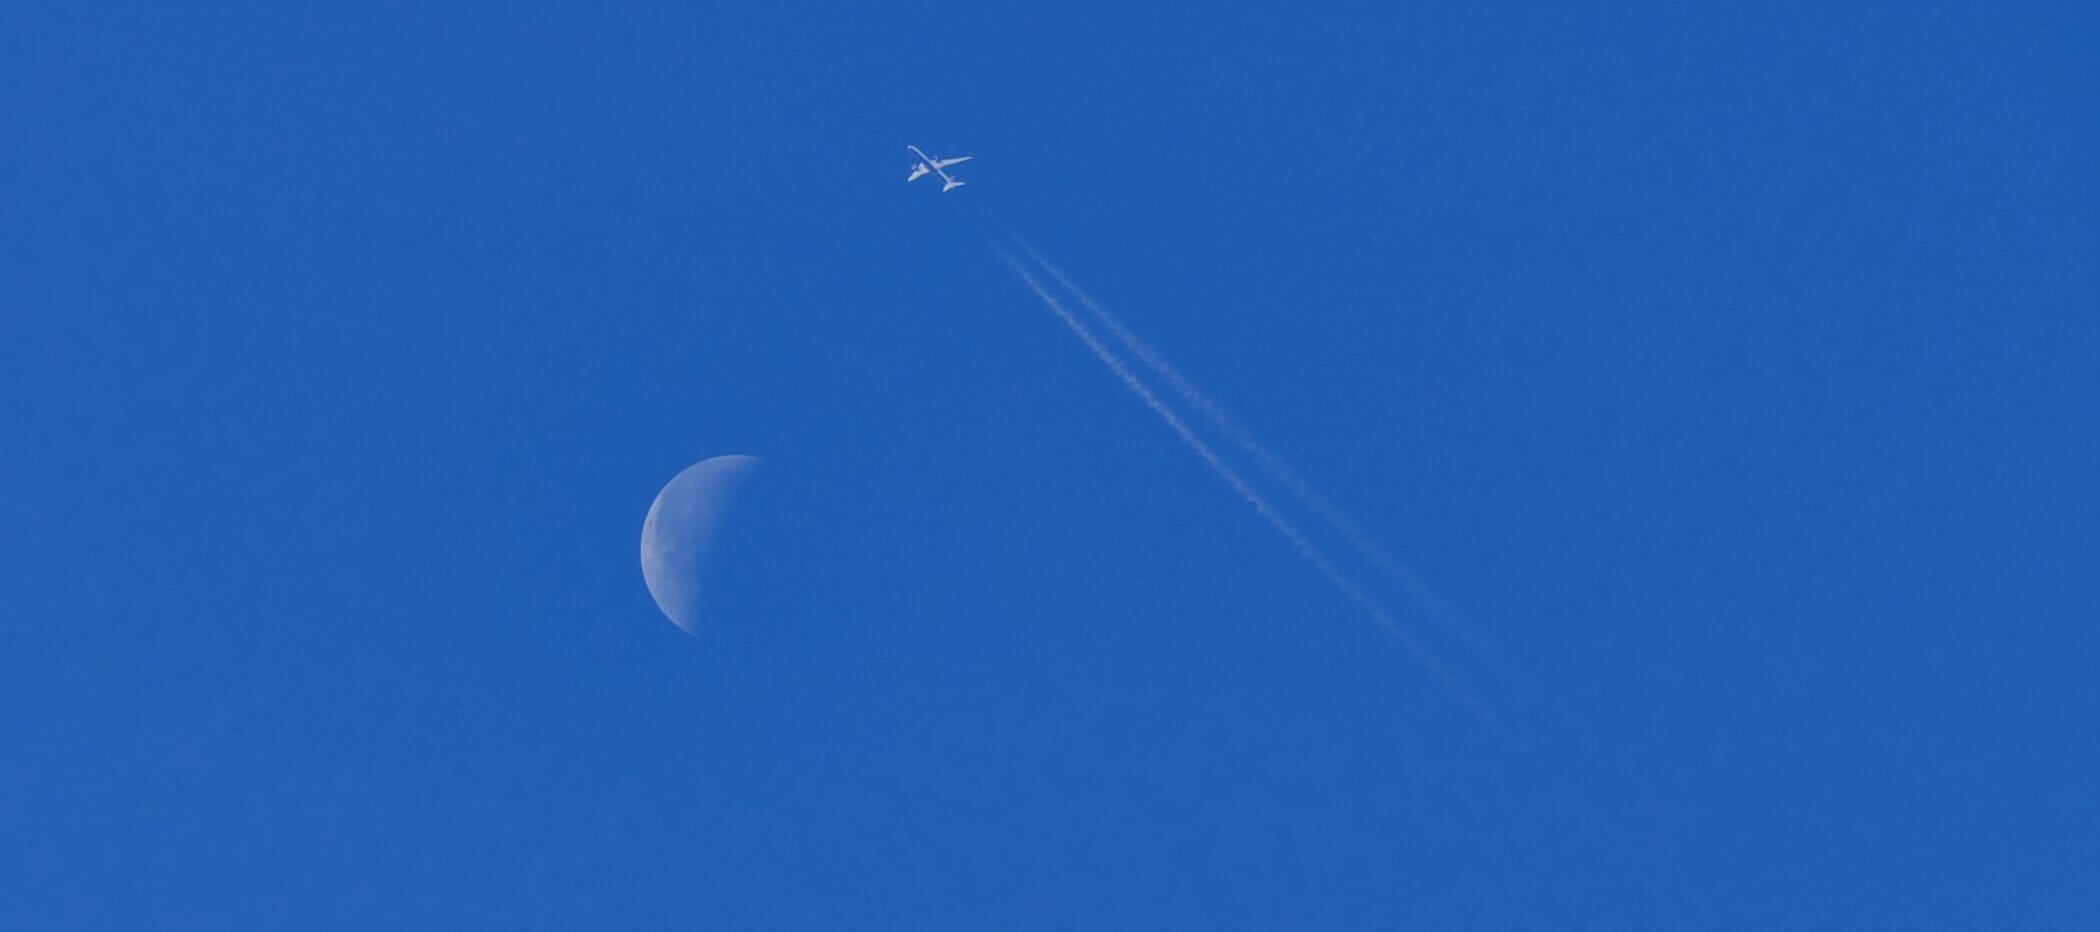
679	533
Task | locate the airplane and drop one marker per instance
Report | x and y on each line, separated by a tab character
929	165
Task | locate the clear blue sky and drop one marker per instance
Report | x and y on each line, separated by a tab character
1726	370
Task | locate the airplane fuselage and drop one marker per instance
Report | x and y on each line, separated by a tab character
928	161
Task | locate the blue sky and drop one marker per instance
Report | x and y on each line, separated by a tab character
1725	371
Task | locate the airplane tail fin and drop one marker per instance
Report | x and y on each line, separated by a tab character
952	185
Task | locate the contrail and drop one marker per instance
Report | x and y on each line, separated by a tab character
1298	540
1271	463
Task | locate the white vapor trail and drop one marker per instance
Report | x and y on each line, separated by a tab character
1290	532
1272	464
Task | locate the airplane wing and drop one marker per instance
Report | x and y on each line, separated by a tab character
944	163
918	171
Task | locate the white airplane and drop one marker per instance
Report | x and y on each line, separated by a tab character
928	165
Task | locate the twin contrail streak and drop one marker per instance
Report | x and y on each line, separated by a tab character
1275	466
1290	532
1272	464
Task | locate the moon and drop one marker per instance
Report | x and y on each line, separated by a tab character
680	531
